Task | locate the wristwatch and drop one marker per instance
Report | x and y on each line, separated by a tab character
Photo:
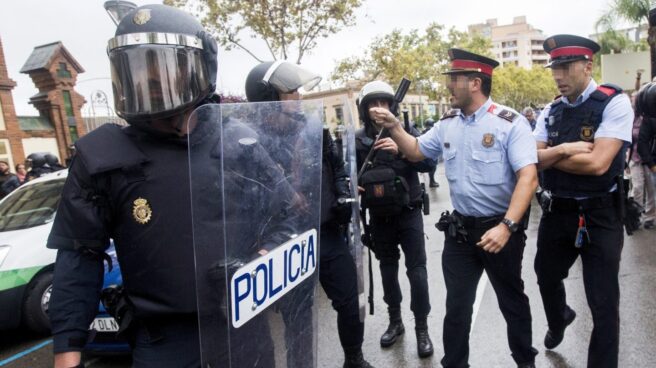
512	225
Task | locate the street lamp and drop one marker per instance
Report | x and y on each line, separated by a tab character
117	9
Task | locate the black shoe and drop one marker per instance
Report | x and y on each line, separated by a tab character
648	224
394	330
424	343
554	338
354	358
526	365
434	184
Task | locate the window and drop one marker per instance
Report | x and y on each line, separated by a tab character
31	205
68	103
2	119
73	132
63	71
339	114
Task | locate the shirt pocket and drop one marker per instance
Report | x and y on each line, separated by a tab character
487	167
450	166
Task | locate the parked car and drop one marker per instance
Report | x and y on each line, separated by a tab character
26	265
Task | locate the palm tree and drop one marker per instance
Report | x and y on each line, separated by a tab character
633	11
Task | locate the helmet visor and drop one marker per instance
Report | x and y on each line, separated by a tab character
287	77
149	80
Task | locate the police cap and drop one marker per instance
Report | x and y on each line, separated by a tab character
565	48
467	62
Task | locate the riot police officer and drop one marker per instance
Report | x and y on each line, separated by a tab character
53	162
492	177
393	197
281	81
581	139
125	184
37	164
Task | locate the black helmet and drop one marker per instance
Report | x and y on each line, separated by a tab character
429	122
51	160
267	80
35	160
162	63
371	91
645	102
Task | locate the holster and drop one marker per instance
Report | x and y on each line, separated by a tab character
425	199
118	305
452	225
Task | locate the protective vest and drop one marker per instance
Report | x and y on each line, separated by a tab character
580	123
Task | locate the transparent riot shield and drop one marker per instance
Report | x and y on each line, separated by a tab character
355	231
255	185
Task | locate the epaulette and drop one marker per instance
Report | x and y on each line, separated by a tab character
506	115
451	113
605	91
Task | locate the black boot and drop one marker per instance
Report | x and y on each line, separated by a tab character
424	343
394	330
555	337
354	358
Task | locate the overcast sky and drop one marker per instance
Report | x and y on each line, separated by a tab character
84	28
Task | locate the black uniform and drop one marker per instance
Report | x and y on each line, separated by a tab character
600	249
405	228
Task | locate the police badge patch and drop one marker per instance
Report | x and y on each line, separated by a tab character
587	133
488	140
141	211
142	17
379	190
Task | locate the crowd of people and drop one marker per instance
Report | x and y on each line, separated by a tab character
39	164
123	179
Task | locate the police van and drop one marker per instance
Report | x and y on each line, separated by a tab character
26	265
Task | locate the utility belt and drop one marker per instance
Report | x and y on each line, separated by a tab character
559	204
455	225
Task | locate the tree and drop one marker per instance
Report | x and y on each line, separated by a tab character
420	57
518	87
285	26
633	11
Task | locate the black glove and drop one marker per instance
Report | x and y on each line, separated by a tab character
342	211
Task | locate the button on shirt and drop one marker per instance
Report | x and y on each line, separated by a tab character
616	120
482	153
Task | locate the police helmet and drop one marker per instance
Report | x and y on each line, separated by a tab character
35	160
372	91
162	63
645	102
267	80
51	160
429	122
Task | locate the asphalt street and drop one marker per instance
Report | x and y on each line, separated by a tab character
488	343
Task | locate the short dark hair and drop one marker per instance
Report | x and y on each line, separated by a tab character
4	162
486	82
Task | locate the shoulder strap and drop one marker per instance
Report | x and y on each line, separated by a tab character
449	114
505	114
118	150
606	91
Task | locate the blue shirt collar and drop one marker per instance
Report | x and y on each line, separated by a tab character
592	86
476	116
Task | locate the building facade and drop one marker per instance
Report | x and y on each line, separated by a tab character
59	124
518	43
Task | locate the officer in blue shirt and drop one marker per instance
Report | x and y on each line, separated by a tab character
490	158
581	138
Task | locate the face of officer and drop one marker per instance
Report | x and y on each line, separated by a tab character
461	88
572	78
378	102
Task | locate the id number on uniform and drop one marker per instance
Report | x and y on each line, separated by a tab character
260	283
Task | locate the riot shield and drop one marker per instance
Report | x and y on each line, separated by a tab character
355	231
255	173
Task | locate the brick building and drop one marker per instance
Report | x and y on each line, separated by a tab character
59	123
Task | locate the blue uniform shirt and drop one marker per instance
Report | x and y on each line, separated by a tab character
616	120
482	153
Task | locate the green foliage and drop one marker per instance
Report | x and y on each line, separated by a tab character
284	25
518	87
419	56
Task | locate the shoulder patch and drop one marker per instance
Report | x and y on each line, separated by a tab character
451	113
507	115
606	91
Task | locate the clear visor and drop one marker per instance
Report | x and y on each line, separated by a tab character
151	80
288	77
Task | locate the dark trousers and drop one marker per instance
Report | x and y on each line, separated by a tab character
172	343
406	229
431	174
601	262
463	264
339	279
